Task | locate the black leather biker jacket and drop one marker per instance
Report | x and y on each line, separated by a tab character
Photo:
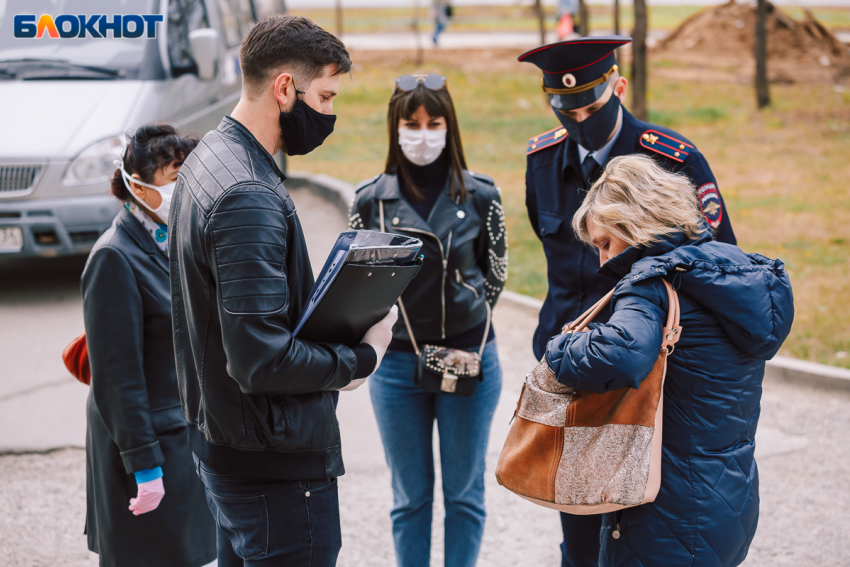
465	248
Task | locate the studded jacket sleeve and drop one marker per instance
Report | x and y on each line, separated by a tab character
493	245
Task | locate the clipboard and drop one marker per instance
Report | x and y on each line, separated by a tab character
362	279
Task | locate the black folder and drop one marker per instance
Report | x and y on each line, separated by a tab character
363	277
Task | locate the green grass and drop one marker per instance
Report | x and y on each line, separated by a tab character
782	172
522	18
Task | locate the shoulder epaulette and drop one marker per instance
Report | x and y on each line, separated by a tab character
483	178
546	139
666	145
364	184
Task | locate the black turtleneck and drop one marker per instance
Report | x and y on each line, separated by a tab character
429	180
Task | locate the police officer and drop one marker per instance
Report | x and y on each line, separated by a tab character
586	91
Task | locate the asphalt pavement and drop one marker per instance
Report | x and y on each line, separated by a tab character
803	443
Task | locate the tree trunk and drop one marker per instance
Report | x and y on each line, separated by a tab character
339	18
541	19
616	17
583	19
762	92
639	61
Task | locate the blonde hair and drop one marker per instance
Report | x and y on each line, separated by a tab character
638	202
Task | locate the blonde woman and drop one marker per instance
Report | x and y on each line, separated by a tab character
737	309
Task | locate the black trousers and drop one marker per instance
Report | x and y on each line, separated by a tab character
262	522
581	540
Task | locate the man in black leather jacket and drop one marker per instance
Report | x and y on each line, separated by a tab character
262	421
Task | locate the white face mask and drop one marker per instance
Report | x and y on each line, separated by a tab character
165	191
422	146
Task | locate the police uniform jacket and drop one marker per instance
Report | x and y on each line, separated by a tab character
555	188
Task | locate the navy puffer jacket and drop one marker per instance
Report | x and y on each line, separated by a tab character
737	309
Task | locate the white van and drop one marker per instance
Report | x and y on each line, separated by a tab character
65	105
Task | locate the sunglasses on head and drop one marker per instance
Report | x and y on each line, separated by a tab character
431	81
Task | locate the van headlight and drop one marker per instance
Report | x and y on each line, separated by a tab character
95	163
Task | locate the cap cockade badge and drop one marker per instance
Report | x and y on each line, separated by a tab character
569	80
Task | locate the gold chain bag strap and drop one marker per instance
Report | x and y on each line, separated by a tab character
443	369
586	453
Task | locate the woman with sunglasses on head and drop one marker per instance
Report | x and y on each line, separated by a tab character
145	504
442	363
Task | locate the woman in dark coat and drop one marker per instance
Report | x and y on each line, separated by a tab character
736	310
146	506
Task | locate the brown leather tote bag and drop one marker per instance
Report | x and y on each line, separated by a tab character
586	453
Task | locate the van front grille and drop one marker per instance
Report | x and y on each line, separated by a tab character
17	179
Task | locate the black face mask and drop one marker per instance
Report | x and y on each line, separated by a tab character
303	129
593	133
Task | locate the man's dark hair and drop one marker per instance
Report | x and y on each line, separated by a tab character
291	43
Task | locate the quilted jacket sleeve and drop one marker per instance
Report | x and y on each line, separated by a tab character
114	322
248	234
620	353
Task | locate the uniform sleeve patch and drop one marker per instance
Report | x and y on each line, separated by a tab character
709	203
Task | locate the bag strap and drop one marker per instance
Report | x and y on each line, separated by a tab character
585	318
672	330
486	329
400	302
404	311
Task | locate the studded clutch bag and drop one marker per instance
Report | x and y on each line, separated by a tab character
586	453
447	370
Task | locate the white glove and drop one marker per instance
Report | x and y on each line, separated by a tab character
353	385
378	337
381	333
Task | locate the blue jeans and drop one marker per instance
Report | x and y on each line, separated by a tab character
273	522
406	415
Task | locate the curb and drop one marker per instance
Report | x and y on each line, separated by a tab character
779	369
335	191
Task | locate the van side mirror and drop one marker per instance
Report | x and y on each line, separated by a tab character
206	47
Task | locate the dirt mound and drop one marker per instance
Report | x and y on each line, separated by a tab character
724	36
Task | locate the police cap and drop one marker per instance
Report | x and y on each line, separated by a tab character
576	71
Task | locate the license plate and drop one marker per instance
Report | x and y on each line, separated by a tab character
11	239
